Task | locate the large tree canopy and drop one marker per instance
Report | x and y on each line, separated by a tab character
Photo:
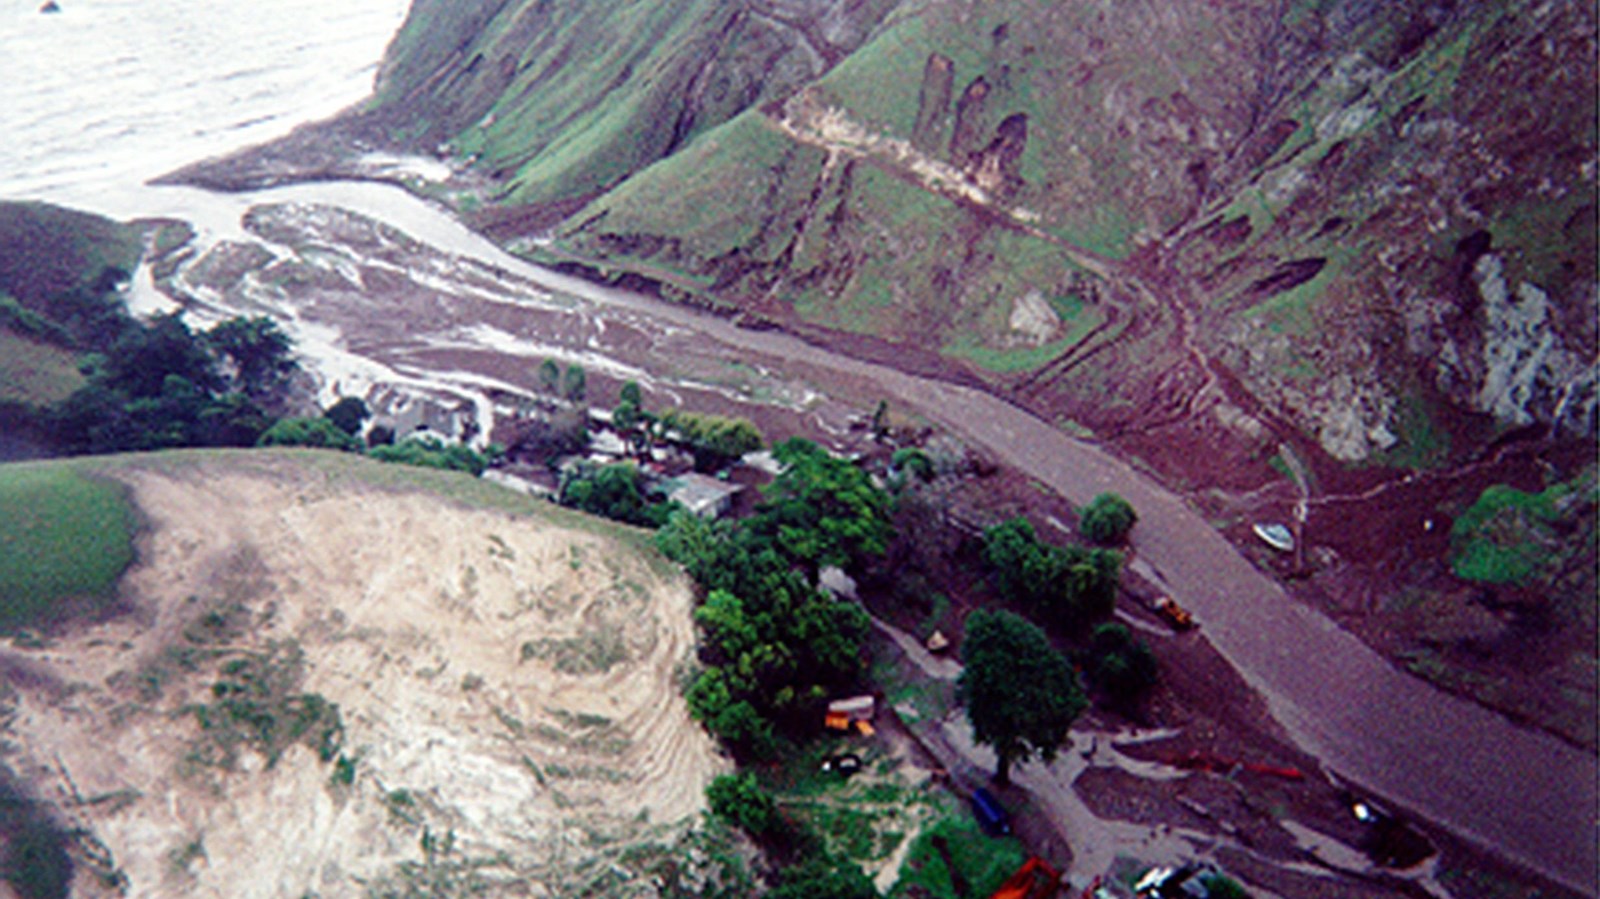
1070	585
1021	695
823	511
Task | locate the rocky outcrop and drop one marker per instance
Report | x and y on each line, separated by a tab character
1525	370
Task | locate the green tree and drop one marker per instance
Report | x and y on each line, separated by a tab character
1068	585
260	353
1120	665
1107	519
611	491
630	418
715	440
739	800
349	413
549	376
1020	694
140	360
575	385
823	511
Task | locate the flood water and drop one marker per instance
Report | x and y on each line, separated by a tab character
106	94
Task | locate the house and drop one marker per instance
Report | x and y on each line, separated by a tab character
606	447
705	496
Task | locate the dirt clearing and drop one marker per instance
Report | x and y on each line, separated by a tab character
327	687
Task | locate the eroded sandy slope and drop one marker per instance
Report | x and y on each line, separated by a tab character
505	684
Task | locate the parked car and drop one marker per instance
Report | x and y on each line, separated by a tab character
991	815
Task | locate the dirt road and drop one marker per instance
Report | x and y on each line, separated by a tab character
1512	790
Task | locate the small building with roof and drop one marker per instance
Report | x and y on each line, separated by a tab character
705	496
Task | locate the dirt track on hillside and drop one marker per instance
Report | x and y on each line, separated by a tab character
505	683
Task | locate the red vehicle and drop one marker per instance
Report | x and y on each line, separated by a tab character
1034	880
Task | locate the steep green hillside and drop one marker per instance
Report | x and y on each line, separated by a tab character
560	101
49	251
57	271
1369	222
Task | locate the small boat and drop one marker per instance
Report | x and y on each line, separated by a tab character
1275	535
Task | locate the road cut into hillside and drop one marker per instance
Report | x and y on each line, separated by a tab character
504	683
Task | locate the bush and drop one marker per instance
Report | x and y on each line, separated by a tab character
431	452
738	799
313	432
1107	519
1221	886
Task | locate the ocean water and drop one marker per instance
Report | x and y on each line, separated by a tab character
106	94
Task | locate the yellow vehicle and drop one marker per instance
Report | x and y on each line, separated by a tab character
1176	615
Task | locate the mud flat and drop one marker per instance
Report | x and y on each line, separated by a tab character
500	679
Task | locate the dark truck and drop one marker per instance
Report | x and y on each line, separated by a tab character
991	815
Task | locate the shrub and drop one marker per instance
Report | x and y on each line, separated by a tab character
738	799
313	432
431	452
1121	666
1221	886
1107	519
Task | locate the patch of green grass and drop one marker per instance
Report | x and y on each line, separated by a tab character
35	373
1507	535
981	862
64	536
